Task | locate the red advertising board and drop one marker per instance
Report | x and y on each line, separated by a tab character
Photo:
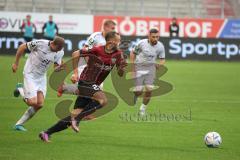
139	26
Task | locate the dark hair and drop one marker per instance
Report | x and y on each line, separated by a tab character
153	30
110	35
109	22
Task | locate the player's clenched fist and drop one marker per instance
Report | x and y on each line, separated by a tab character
74	78
14	67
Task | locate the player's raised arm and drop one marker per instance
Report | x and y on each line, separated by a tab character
161	57
132	57
20	51
132	60
75	60
121	64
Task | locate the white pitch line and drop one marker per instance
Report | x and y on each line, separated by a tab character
154	99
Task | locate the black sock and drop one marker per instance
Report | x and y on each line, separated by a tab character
89	109
61	125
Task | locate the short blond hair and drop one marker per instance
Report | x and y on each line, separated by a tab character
109	22
58	40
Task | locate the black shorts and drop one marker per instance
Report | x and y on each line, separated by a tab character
82	102
87	89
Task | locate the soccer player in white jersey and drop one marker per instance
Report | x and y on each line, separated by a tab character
95	39
144	56
43	53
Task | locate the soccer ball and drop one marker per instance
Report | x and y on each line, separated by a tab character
212	139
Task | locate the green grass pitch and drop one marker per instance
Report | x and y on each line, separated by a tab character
209	90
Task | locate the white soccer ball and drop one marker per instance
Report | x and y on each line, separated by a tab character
212	139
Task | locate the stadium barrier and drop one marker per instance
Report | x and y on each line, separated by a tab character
180	48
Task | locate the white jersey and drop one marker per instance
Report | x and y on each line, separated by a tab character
95	39
41	57
146	53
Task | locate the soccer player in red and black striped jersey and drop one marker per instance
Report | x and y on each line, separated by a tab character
101	61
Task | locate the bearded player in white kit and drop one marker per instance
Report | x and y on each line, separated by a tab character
43	53
144	57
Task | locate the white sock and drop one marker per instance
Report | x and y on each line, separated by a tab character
21	92
26	116
143	107
70	88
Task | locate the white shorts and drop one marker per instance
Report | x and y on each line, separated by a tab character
145	76
144	80
32	85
